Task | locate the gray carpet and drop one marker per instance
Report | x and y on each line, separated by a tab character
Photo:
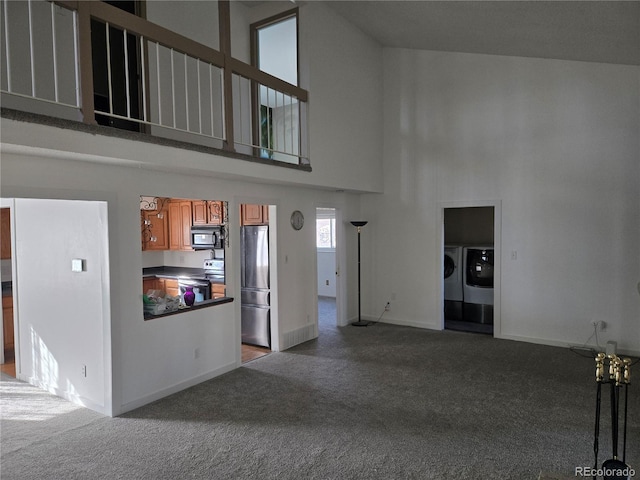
377	402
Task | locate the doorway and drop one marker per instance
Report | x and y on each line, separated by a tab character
256	273
326	234
469	269
7	350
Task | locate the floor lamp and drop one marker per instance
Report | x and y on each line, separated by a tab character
359	224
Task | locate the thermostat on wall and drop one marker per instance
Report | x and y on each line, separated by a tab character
77	265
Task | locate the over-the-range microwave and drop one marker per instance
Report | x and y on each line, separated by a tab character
206	237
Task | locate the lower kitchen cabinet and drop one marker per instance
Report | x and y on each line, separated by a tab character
217	290
168	285
7	321
171	287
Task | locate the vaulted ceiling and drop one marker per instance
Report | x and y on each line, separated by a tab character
592	31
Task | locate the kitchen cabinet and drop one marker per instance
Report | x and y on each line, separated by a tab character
171	287
254	214
207	212
7	321
218	290
168	285
5	233
155	230
180	213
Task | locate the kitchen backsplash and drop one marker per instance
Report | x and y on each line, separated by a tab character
174	258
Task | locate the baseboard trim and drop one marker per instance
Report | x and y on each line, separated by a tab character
71	397
556	343
298	336
400	322
178	387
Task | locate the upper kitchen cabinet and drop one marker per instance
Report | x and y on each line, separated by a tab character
5	233
254	214
180	212
208	212
155	230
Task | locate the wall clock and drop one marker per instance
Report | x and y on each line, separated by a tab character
297	220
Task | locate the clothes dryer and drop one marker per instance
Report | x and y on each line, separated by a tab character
453	290
478	284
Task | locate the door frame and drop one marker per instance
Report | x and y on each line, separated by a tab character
497	246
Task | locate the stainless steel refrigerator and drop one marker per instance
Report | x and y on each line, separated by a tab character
254	295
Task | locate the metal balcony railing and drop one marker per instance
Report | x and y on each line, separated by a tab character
113	68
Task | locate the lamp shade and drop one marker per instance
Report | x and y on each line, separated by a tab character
359	223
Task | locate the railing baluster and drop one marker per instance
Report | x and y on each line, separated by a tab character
222	94
144	79
126	71
6	45
199	98
76	56
54	52
173	90
33	67
109	67
186	91
158	77
211	98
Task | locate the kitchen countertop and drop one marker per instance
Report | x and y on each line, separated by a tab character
177	272
196	306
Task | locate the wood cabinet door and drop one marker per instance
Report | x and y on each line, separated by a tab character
217	290
155	234
171	287
5	233
200	213
175	226
251	214
215	212
185	218
180	213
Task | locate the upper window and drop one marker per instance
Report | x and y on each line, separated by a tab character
276	46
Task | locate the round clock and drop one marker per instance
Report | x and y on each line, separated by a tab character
297	220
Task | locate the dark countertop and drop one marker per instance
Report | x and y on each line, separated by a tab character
196	306
177	272
7	289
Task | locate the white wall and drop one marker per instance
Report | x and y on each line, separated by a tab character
154	358
556	144
63	316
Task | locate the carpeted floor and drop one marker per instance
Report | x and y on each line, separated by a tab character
381	402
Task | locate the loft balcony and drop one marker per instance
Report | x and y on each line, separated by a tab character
94	66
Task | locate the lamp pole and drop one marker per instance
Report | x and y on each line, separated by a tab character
359	224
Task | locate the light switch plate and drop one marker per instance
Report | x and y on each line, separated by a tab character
77	265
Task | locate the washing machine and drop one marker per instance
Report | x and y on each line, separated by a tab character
478	284
453	291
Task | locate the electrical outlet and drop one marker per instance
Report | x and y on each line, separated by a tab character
83	371
600	325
